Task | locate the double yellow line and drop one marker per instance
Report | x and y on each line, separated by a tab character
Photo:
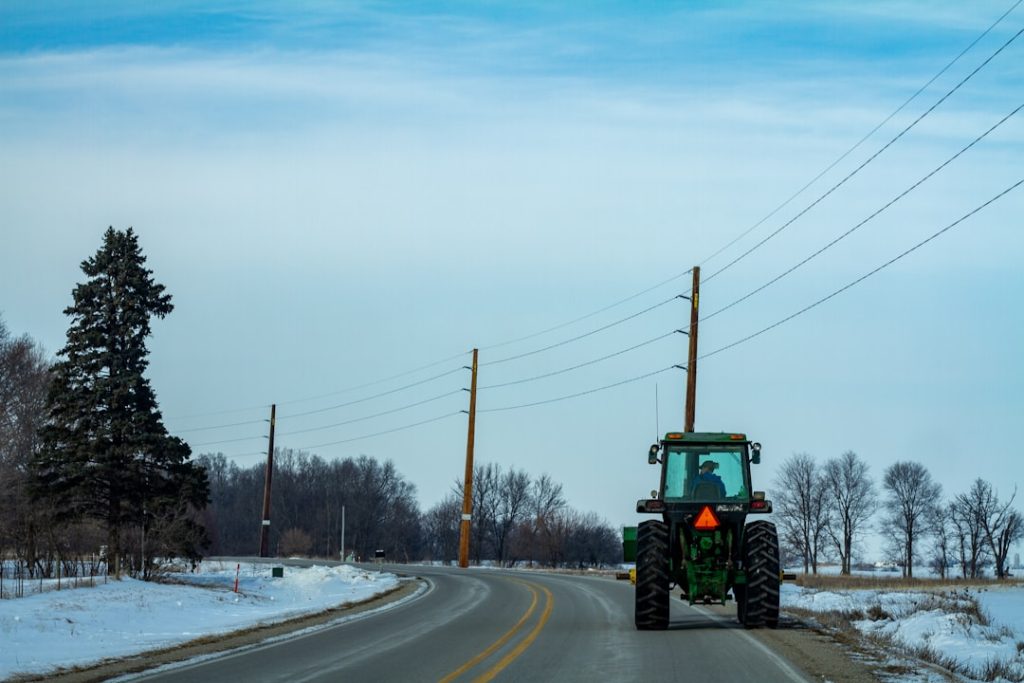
520	648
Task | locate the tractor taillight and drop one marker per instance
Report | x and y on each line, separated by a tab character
758	505
706	520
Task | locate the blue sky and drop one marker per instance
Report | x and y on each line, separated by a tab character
336	193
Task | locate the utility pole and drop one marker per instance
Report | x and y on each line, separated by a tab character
467	487
265	524
342	533
691	363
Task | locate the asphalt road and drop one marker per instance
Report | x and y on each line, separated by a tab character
482	625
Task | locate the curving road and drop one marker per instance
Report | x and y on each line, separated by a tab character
482	625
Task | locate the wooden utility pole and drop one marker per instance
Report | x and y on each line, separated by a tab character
265	521
691	363
467	487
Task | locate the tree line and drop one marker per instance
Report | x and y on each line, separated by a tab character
517	519
825	509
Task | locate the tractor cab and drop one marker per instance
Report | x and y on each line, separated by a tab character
698	467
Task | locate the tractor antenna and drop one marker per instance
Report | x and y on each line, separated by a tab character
657	426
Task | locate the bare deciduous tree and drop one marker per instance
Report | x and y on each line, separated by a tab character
968	529
799	497
911	496
546	503
939	528
513	497
441	528
850	502
1000	523
24	382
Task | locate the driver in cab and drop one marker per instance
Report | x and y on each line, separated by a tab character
707	475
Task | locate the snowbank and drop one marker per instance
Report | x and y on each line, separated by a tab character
85	625
942	626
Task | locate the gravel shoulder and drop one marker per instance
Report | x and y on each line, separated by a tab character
819	653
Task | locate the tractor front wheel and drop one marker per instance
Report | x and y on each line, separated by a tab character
652	576
761	562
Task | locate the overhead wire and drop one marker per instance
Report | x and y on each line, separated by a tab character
230	411
217	443
884	207
866	275
582	365
370	417
592	313
387	431
370	398
584	335
225	426
578	394
874	156
238	455
375	382
866	137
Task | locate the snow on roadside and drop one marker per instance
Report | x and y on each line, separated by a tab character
42	632
943	625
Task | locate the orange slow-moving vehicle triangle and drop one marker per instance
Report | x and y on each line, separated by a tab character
706	520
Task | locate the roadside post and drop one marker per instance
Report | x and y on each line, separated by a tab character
378	555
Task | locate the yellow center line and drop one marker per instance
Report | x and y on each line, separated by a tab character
499	642
525	643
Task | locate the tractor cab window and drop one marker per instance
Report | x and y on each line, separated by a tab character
705	473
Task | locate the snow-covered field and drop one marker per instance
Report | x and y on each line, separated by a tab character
66	628
941	625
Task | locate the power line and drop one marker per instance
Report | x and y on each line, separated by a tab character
865	138
867	275
375	396
226	412
581	393
335	393
206	429
866	162
593	313
387	431
370	417
238	455
584	335
581	365
870	217
215	443
405	373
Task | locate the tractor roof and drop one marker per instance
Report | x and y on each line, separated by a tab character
705	437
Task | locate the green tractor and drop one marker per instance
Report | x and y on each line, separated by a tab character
703	543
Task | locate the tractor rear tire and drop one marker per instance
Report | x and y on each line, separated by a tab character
652	576
761	561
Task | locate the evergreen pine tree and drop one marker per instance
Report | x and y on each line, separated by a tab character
106	454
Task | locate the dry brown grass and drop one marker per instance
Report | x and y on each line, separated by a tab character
857	582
